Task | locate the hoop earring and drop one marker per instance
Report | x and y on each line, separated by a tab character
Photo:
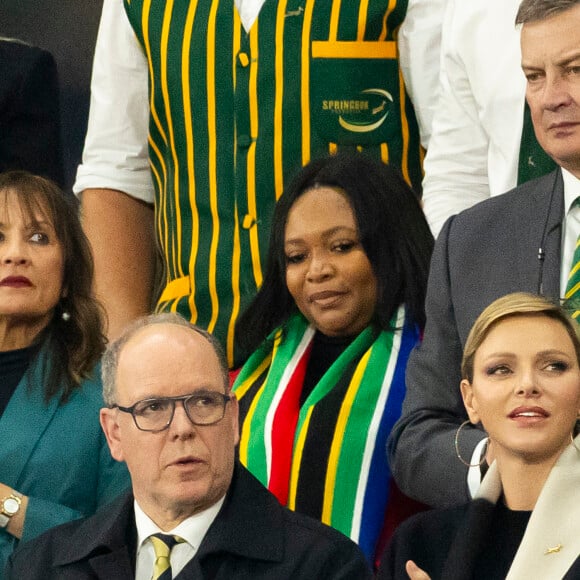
457	447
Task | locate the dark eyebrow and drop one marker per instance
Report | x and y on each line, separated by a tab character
563	62
200	392
37	223
568	59
327	233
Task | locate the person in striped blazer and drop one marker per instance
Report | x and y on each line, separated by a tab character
202	111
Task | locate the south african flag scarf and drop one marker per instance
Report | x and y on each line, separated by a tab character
326	457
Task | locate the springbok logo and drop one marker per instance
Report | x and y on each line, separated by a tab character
368	124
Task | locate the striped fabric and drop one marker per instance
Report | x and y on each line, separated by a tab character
572	296
233	115
162	545
326	458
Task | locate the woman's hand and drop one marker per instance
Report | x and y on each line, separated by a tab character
415	573
16	524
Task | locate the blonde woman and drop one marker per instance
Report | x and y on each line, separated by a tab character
521	381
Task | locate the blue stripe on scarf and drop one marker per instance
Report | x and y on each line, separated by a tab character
376	494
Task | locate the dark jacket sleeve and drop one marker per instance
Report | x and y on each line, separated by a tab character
346	564
426	539
421	444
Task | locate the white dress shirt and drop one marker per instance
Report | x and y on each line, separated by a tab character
248	11
192	530
474	147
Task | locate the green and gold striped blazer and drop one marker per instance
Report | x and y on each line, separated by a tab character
235	114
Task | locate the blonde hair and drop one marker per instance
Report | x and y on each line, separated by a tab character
516	304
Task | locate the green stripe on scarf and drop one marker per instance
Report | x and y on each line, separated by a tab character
285	343
349	464
375	356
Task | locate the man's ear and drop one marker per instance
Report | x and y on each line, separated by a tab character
110	428
235	411
470	401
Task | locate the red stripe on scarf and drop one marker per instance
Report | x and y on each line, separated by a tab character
284	429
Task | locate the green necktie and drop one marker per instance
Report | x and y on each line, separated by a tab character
163	544
533	160
572	296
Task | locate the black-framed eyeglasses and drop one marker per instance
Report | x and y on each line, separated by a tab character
156	414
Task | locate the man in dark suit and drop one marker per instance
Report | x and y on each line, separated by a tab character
522	240
171	417
29	111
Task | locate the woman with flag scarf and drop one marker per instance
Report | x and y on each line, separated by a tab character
331	328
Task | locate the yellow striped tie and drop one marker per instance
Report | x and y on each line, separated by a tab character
162	544
572	296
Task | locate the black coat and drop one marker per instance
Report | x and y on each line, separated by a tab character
29	111
445	543
252	537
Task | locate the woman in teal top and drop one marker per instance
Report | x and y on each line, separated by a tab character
54	461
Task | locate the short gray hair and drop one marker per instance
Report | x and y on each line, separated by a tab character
110	360
534	10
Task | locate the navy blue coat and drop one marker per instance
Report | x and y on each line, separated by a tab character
253	537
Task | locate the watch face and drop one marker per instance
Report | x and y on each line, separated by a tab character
10	506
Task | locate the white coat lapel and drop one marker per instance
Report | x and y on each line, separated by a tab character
551	543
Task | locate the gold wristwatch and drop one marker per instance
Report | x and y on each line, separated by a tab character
9	507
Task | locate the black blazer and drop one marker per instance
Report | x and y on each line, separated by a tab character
29	111
253	537
445	543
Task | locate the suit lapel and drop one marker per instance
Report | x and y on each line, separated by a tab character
115	565
469	540
551	543
25	406
474	530
247	501
553	239
191	570
109	542
541	221
574	572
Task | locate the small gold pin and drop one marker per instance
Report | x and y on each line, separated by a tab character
553	550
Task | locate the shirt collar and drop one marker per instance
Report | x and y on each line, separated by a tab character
571	188
248	11
192	529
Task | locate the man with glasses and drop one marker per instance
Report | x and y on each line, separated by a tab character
194	511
